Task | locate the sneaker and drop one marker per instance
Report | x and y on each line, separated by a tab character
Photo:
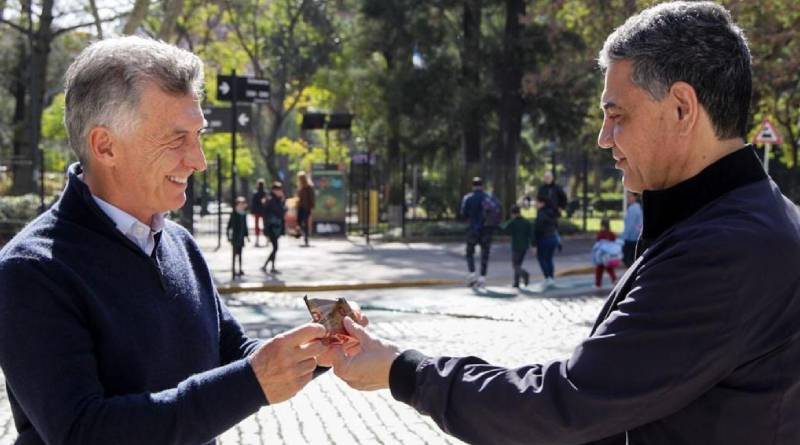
549	282
526	279
481	283
471	279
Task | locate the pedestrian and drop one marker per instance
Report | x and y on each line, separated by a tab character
552	192
521	231
111	327
632	228
483	214
237	232
257	207
699	341
305	204
545	233
606	253
274	224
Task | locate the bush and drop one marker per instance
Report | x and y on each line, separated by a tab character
15	212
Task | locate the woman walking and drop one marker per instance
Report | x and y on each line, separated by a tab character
257	206
545	231
274	211
305	204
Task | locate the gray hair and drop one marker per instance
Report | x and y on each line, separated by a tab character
693	42
104	84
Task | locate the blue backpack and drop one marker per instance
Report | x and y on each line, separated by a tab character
492	211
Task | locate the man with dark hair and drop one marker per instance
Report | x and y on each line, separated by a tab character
699	342
478	231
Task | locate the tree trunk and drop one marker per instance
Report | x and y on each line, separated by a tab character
137	16
24	179
470	85
172	9
19	141
505	158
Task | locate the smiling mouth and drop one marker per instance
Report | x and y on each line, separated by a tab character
178	179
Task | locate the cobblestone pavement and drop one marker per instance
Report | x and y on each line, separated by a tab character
500	326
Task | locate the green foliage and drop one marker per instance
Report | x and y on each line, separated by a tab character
220	144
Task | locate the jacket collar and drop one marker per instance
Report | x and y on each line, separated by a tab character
662	209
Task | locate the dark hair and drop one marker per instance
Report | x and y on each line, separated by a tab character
693	42
515	210
477	181
260	185
605	224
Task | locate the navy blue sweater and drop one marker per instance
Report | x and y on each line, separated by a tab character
699	342
103	344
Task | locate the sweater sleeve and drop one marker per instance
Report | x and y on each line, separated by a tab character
656	353
47	355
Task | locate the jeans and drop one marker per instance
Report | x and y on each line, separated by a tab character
545	249
517	257
484	239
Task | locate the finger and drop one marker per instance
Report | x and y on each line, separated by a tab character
354	330
304	334
310	349
364	321
306	367
339	361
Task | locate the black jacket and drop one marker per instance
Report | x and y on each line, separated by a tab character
697	343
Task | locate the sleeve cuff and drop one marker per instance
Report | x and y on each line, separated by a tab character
403	375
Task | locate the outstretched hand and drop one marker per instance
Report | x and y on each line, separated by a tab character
365	363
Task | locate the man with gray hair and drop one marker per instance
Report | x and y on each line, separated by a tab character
111	328
699	342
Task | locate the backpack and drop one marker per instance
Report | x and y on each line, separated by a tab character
492	211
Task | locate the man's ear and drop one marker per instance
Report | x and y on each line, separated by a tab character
687	108
101	146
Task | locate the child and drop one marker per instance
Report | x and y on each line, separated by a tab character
237	232
606	253
521	231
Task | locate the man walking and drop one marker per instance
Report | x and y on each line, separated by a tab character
476	208
699	342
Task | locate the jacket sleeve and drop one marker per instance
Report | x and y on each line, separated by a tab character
670	340
47	355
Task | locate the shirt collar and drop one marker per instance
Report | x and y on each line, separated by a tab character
141	234
662	209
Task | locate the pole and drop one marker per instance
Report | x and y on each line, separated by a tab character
41	181
326	145
403	203
369	192
585	188
219	202
233	162
767	149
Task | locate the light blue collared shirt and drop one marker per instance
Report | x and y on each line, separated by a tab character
141	234
633	222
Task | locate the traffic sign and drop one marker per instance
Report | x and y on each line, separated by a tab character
219	119
248	89
767	134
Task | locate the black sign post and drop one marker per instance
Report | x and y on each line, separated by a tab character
239	89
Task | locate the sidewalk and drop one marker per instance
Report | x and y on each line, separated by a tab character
350	264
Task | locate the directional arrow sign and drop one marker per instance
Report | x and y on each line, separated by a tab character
248	89
219	119
767	134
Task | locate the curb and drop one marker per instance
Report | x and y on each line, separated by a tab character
327	287
358	285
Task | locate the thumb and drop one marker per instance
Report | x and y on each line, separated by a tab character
355	330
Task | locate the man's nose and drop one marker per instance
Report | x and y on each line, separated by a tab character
195	158
605	138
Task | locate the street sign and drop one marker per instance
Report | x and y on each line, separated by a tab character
318	121
248	89
767	134
219	119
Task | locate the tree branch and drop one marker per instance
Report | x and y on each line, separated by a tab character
14	26
83	25
240	36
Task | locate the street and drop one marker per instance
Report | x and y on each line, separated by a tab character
498	325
